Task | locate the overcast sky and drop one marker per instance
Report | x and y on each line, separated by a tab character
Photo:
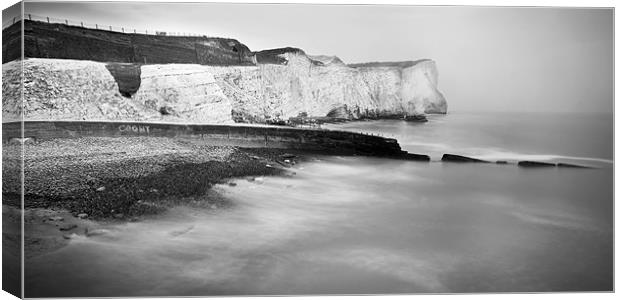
489	58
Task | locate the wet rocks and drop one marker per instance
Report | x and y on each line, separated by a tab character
95	232
288	156
21	140
284	164
56	218
67	173
166	110
70	236
565	165
289	174
460	159
67	227
416	118
176	233
416	157
535	164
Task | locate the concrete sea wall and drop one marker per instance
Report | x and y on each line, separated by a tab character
235	135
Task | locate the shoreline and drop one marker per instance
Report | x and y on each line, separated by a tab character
75	188
124	177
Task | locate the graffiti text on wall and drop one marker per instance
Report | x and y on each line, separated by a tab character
134	128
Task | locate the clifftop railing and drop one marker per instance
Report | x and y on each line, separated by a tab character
120	29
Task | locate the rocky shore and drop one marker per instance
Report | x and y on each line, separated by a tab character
75	188
124	178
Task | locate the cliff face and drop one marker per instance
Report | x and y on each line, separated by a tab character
11	91
63	89
56	89
324	86
187	92
72	72
420	86
412	85
297	85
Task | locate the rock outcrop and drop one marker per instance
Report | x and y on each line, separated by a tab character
535	164
413	84
56	89
127	77
297	85
460	158
11	91
289	83
186	92
66	89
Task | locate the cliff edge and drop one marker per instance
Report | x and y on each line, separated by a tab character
202	80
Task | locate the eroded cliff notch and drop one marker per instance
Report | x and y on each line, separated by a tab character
127	76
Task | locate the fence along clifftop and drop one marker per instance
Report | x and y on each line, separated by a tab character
65	39
121	29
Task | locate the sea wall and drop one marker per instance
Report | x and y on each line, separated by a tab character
232	135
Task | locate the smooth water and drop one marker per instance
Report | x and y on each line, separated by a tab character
502	136
353	225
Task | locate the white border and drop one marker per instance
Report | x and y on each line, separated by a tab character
561	3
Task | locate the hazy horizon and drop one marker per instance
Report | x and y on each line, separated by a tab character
489	58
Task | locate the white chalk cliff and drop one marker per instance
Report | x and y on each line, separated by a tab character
56	89
317	86
190	91
59	89
333	88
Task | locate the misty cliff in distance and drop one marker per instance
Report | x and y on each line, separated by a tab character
236	86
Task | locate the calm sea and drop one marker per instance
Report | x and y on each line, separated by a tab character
353	225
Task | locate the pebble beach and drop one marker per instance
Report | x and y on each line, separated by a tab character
73	187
